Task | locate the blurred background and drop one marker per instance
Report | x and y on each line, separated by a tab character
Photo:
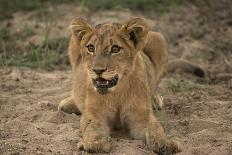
33	33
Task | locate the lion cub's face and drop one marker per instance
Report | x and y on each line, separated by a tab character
109	58
109	50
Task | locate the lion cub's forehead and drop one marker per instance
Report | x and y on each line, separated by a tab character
107	26
106	30
104	33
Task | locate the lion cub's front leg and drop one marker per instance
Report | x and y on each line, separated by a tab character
95	135
143	125
95	129
156	139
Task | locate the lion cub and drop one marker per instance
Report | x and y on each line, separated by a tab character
116	70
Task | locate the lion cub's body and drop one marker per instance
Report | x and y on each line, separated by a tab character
129	103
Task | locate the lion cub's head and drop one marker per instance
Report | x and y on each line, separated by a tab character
109	50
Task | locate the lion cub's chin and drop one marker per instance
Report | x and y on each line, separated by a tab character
104	86
104	91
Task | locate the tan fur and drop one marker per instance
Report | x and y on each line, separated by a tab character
139	65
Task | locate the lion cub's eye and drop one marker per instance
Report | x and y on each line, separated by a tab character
91	48
115	49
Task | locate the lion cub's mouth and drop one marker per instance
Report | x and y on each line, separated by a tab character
101	83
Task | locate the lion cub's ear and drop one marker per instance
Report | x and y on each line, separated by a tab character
137	29
79	27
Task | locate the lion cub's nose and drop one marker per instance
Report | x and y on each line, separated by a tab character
99	71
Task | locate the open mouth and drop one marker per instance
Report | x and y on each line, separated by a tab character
101	83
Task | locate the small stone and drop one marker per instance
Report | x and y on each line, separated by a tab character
24	140
39	152
24	134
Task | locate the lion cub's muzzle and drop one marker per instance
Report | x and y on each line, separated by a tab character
101	83
104	79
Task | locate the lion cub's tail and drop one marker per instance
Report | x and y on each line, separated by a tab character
185	66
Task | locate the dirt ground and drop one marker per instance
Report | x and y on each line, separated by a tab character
197	111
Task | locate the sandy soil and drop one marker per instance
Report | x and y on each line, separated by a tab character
198	113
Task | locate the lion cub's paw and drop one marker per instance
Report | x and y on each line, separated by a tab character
67	105
103	146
